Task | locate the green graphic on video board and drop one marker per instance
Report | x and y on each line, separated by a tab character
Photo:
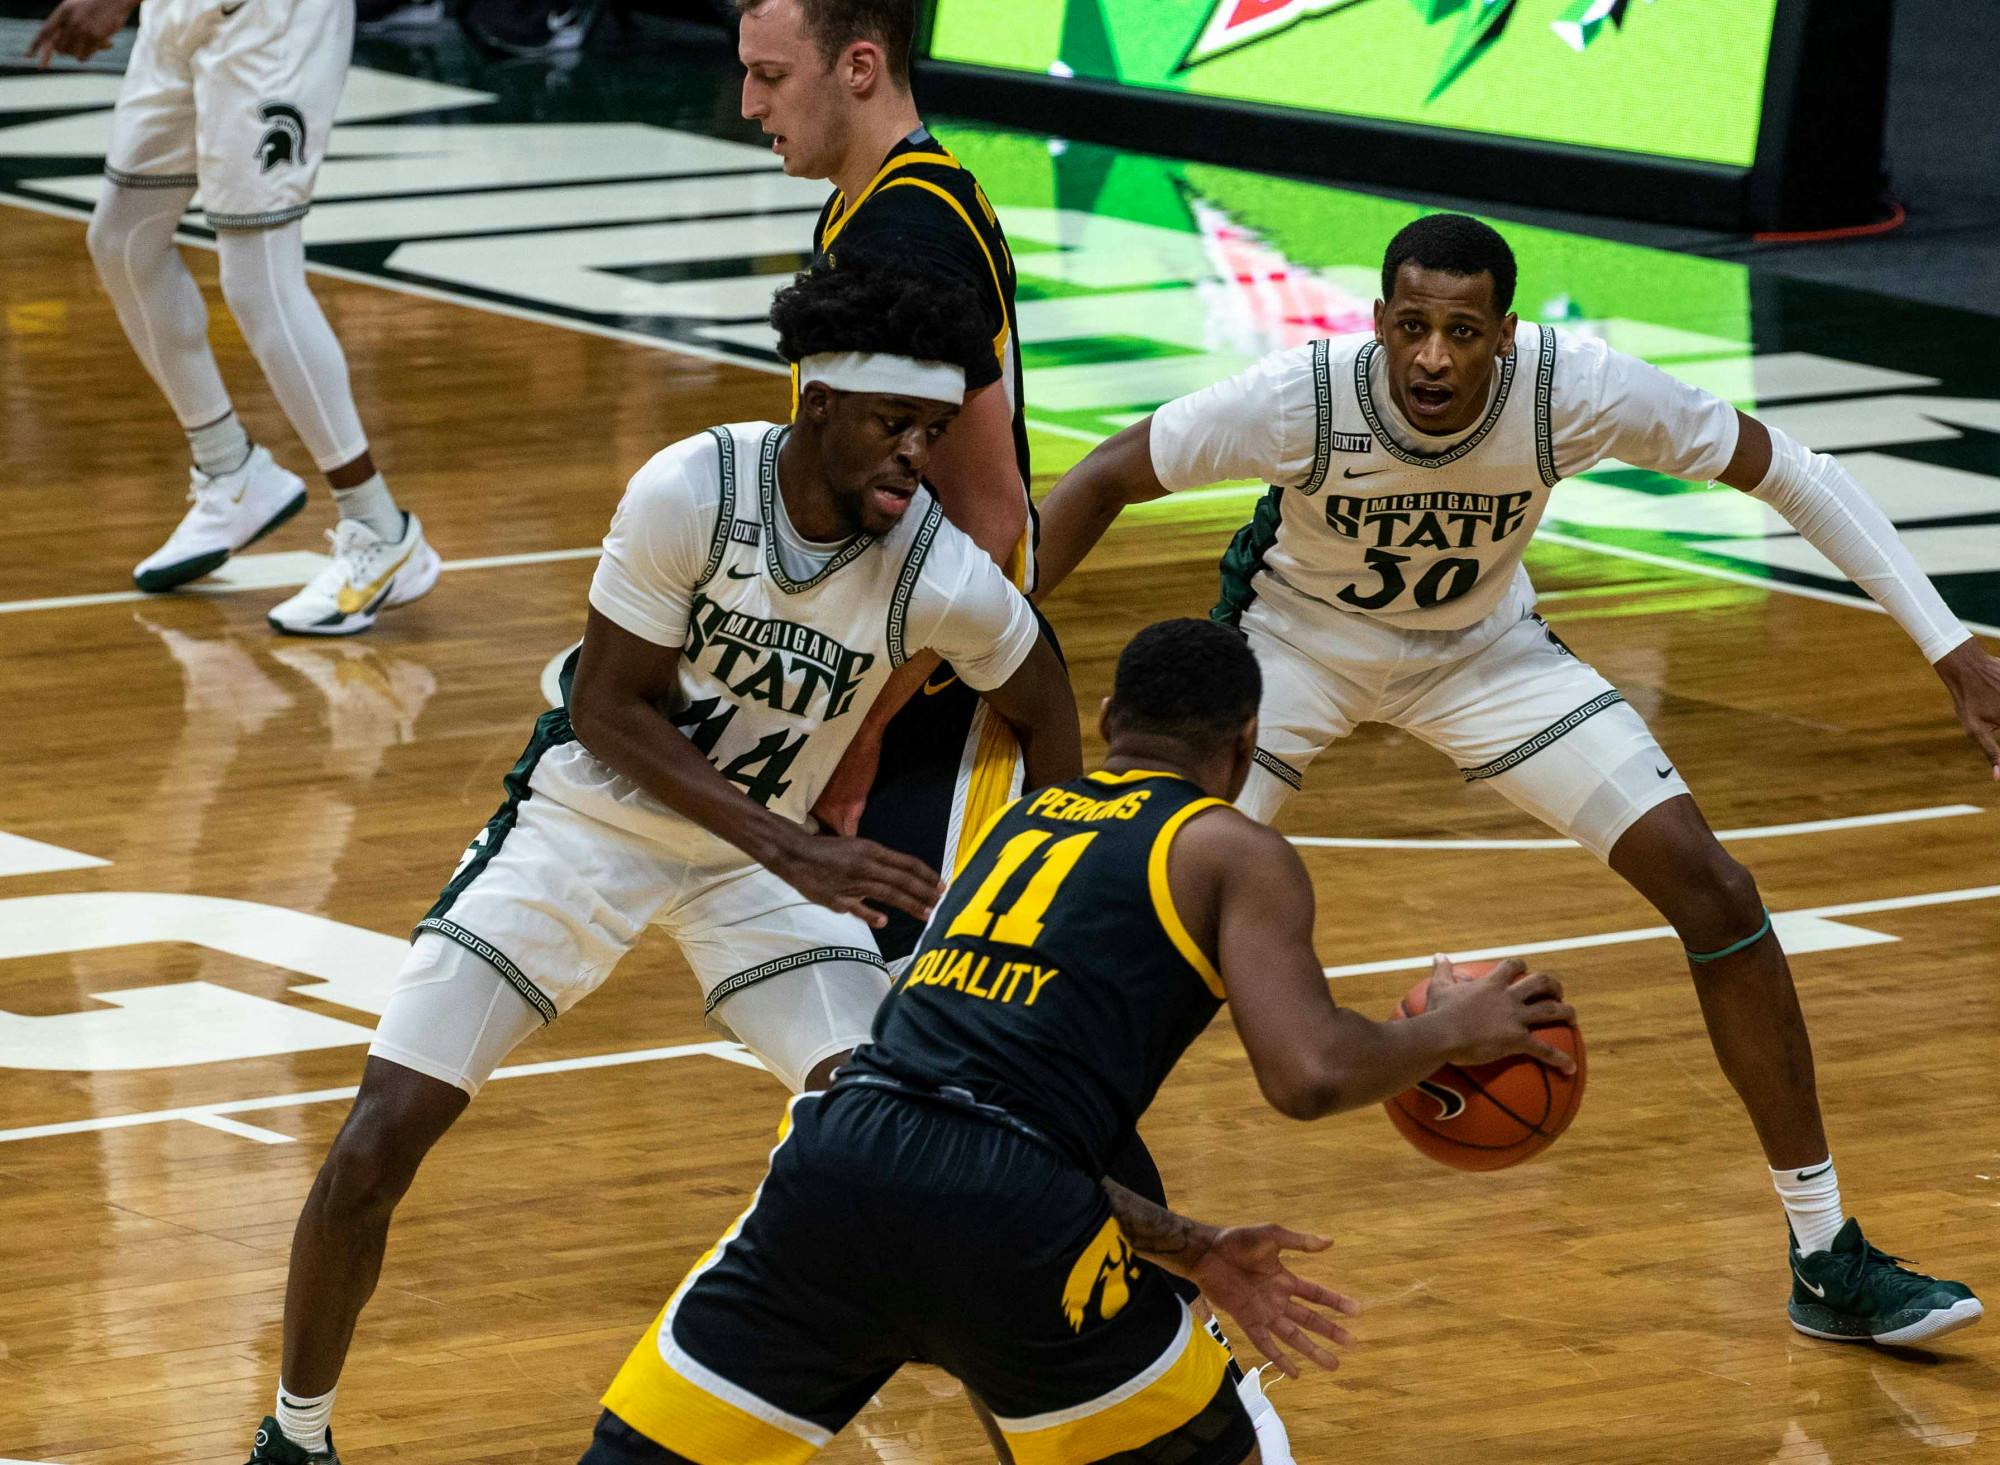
1673	78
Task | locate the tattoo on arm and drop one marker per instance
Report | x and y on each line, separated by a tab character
1164	1236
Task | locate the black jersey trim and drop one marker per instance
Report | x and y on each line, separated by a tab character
767	487
725	517
1545	436
1548	735
1364	389
1278	768
1322	418
269	220
148	180
750	976
906	582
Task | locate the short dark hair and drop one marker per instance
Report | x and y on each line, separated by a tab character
865	301
1191	680
1457	244
834	25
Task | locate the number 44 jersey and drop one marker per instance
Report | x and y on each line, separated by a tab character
1373	517
784	643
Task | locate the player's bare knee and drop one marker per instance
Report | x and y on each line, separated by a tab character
1720	903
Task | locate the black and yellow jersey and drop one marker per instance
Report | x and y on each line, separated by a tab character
1056	981
923	206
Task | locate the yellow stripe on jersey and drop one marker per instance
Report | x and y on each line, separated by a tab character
999	290
843	212
990	788
680	1415
1162	1407
1163	895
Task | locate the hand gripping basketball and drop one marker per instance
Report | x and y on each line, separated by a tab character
1498	1008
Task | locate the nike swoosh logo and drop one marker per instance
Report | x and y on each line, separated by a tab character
1668	772
229	10
351	600
1816	1291
1350	473
1815	1174
931	689
731	573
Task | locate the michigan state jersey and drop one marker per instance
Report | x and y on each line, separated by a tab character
1056	980
779	664
1370	516
925	210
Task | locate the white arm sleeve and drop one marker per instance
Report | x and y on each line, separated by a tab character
1260	423
1610	405
658	543
1834	514
963	609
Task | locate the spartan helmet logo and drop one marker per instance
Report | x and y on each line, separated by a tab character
284	140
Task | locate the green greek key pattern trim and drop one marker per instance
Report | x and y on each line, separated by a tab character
767	486
1245	557
257	221
1554	732
1364	389
1322	418
1278	768
1545	382
906	582
730	986
725	515
487	952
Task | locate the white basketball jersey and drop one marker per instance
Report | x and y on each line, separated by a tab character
1431	542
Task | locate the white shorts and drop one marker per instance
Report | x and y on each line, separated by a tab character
236	97
561	883
1504	699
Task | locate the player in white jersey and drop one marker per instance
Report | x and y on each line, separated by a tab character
1380	580
758	585
234	99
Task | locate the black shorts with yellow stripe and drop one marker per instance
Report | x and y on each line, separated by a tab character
894	1229
949	763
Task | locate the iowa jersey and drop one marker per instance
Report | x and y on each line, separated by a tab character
1055	980
924	208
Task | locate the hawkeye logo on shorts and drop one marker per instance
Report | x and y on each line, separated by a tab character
284	140
1100	1284
781	664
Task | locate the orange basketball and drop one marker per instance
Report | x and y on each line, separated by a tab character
1494	1114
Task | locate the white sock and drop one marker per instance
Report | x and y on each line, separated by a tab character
1811	1196
1274	1445
221	446
371	504
303	1421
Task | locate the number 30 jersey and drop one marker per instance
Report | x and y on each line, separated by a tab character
1371	516
1056	981
777	667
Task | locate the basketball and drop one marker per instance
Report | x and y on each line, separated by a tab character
1493	1115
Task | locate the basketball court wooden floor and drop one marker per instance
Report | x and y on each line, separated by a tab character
214	840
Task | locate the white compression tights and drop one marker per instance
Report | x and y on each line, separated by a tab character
264	282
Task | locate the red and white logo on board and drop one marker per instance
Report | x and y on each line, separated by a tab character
1234	23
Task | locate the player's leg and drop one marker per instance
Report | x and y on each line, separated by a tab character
1529	719
1319	684
239	494
774	1340
266	87
542	906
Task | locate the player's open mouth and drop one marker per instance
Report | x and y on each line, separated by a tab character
893	498
1428	399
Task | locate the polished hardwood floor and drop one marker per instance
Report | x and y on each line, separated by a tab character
1620	1299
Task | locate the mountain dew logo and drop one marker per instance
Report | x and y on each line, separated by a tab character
1234	24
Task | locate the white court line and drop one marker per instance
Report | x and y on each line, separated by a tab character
1762	831
1656	933
241	1130
125	597
204	1113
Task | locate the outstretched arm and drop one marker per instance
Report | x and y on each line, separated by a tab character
1835	515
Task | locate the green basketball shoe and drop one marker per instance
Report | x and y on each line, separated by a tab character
1852	1293
272	1448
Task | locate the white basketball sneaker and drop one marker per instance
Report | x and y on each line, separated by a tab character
231	511
368	575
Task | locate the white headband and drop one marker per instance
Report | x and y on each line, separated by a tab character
905	376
